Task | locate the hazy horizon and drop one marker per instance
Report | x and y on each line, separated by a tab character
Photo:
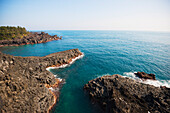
128	15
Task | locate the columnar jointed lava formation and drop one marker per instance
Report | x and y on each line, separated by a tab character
24	81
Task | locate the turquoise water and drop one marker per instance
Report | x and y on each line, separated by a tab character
106	52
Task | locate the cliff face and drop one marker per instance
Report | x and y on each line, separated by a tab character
23	81
117	94
31	38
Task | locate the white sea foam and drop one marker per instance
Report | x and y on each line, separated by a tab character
62	66
98	75
53	89
55	76
65	65
60	79
130	74
79	57
156	83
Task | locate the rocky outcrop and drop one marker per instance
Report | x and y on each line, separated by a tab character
144	75
31	38
118	94
25	82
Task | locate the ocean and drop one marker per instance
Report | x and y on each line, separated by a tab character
105	53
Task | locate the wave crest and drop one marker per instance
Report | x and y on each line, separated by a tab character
156	83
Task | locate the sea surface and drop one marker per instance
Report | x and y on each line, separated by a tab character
106	52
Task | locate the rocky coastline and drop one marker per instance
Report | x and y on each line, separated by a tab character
26	85
30	38
145	76
118	94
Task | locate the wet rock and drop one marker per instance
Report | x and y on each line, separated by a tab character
117	94
144	75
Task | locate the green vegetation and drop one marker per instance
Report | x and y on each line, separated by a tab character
7	32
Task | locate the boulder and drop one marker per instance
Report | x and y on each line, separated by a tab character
144	75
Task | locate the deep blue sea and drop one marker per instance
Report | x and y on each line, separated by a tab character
106	52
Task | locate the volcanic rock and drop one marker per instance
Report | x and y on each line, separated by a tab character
31	38
144	75
118	94
23	81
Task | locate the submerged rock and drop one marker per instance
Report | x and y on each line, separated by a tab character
144	75
24	81
118	94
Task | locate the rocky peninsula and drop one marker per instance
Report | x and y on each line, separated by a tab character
29	38
118	94
25	83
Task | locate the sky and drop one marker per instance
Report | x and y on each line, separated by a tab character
144	15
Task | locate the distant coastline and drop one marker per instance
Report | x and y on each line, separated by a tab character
16	36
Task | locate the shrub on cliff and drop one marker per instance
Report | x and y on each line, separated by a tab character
7	32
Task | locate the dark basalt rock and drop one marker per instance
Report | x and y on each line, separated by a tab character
23	80
117	94
31	38
144	75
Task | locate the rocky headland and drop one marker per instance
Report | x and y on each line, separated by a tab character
118	94
29	38
25	83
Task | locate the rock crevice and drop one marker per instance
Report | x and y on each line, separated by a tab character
24	81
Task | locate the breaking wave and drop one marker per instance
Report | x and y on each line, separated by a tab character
156	83
65	65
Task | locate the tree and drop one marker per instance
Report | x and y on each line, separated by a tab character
8	32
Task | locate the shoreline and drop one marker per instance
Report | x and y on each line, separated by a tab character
66	64
56	85
156	83
26	83
116	93
31	38
58	80
27	43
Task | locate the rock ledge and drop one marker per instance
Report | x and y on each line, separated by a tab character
25	82
118	94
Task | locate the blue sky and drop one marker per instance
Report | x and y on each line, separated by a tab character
152	15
